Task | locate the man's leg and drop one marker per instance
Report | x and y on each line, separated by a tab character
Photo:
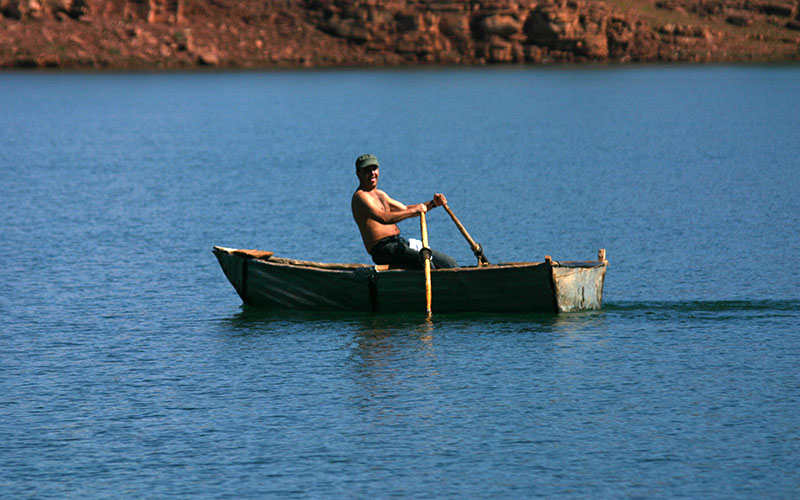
442	260
406	256
396	252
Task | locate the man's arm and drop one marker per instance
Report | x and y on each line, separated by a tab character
437	201
394	205
397	211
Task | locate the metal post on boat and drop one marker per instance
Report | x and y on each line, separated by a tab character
601	255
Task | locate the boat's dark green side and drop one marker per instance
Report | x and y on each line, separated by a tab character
279	283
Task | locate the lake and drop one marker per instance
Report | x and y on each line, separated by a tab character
129	367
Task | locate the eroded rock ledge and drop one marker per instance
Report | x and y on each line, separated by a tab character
153	34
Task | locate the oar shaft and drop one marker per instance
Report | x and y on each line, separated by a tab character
476	249
461	228
428	293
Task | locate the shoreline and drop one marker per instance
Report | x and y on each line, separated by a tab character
584	66
180	35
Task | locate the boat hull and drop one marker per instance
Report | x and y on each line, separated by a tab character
549	286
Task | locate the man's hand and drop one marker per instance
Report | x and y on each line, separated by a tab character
439	200
420	208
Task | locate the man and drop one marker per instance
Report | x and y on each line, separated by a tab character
377	215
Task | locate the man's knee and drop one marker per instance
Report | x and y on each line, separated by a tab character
443	261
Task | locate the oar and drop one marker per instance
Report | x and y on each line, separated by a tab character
426	254
476	248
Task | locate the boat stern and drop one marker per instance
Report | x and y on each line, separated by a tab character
579	285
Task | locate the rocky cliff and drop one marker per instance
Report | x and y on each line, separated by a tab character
167	34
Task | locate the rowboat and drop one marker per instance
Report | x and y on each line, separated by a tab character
264	280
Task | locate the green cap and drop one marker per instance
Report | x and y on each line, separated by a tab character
366	160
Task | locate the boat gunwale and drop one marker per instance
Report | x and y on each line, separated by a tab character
350	267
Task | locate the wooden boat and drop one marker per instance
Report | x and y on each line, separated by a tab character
263	280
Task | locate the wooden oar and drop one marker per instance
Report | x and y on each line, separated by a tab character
476	248
426	254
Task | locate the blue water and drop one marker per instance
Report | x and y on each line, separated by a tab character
130	369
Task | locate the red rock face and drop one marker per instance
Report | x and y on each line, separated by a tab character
475	32
577	27
269	33
147	10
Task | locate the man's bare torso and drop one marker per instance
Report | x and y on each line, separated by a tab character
371	230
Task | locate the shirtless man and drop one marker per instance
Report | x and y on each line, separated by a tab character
377	215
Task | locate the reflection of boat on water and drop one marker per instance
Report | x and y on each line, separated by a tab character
263	280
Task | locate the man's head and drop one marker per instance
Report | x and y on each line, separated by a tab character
367	171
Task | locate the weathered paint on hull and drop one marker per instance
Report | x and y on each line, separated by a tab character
293	287
528	287
579	288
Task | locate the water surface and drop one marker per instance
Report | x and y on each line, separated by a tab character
128	366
